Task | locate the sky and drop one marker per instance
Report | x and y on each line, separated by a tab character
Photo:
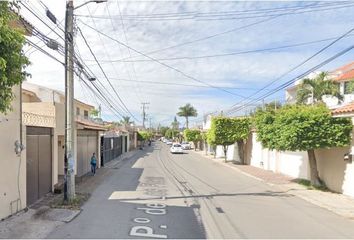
170	53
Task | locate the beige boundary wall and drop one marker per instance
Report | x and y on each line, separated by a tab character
13	170
337	173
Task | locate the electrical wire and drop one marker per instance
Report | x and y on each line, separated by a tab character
127	42
226	54
305	61
164	64
181	84
105	50
43	51
125	107
51	56
229	15
31	11
291	81
219	34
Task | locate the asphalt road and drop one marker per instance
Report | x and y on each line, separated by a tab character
160	195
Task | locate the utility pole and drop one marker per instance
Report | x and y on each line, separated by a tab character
144	107
69	161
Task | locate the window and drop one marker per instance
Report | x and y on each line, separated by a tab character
85	114
77	111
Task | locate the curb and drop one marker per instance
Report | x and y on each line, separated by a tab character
238	170
113	163
282	187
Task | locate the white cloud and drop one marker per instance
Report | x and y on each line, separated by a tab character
251	70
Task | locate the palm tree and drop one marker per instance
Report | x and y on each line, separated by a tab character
187	111
126	121
316	88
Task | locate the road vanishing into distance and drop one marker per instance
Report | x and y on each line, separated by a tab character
156	194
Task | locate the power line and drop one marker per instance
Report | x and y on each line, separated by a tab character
229	15
305	61
288	83
226	54
219	34
103	44
126	41
164	64
22	3
43	51
105	50
125	107
51	56
103	99
181	84
100	90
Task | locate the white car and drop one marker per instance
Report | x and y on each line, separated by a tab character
186	145
168	142
176	148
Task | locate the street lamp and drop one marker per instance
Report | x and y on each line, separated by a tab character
95	1
69	161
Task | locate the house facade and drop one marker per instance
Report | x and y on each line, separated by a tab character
13	158
44	118
337	173
12	148
342	75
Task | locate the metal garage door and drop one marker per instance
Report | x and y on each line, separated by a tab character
39	163
86	145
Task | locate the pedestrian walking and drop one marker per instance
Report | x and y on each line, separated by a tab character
93	163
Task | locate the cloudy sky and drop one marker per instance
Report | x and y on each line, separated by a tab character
212	54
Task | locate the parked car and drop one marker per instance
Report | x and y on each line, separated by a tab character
176	148
186	145
169	142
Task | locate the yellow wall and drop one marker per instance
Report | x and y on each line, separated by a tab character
82	107
13	170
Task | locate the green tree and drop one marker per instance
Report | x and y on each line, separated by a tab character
187	111
12	59
171	133
94	112
303	128
316	88
163	130
227	131
193	135
144	136
271	106
126	121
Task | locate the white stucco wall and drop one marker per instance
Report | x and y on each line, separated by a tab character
336	173
229	154
13	170
294	164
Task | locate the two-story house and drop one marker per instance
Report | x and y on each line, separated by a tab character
342	75
44	117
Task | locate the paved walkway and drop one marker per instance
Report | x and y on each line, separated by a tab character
39	220
338	203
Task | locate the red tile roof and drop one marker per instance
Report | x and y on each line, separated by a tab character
91	125
349	108
346	76
344	73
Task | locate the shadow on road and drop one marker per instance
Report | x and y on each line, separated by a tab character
210	196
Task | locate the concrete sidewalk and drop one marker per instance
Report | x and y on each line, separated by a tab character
39	219
338	203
